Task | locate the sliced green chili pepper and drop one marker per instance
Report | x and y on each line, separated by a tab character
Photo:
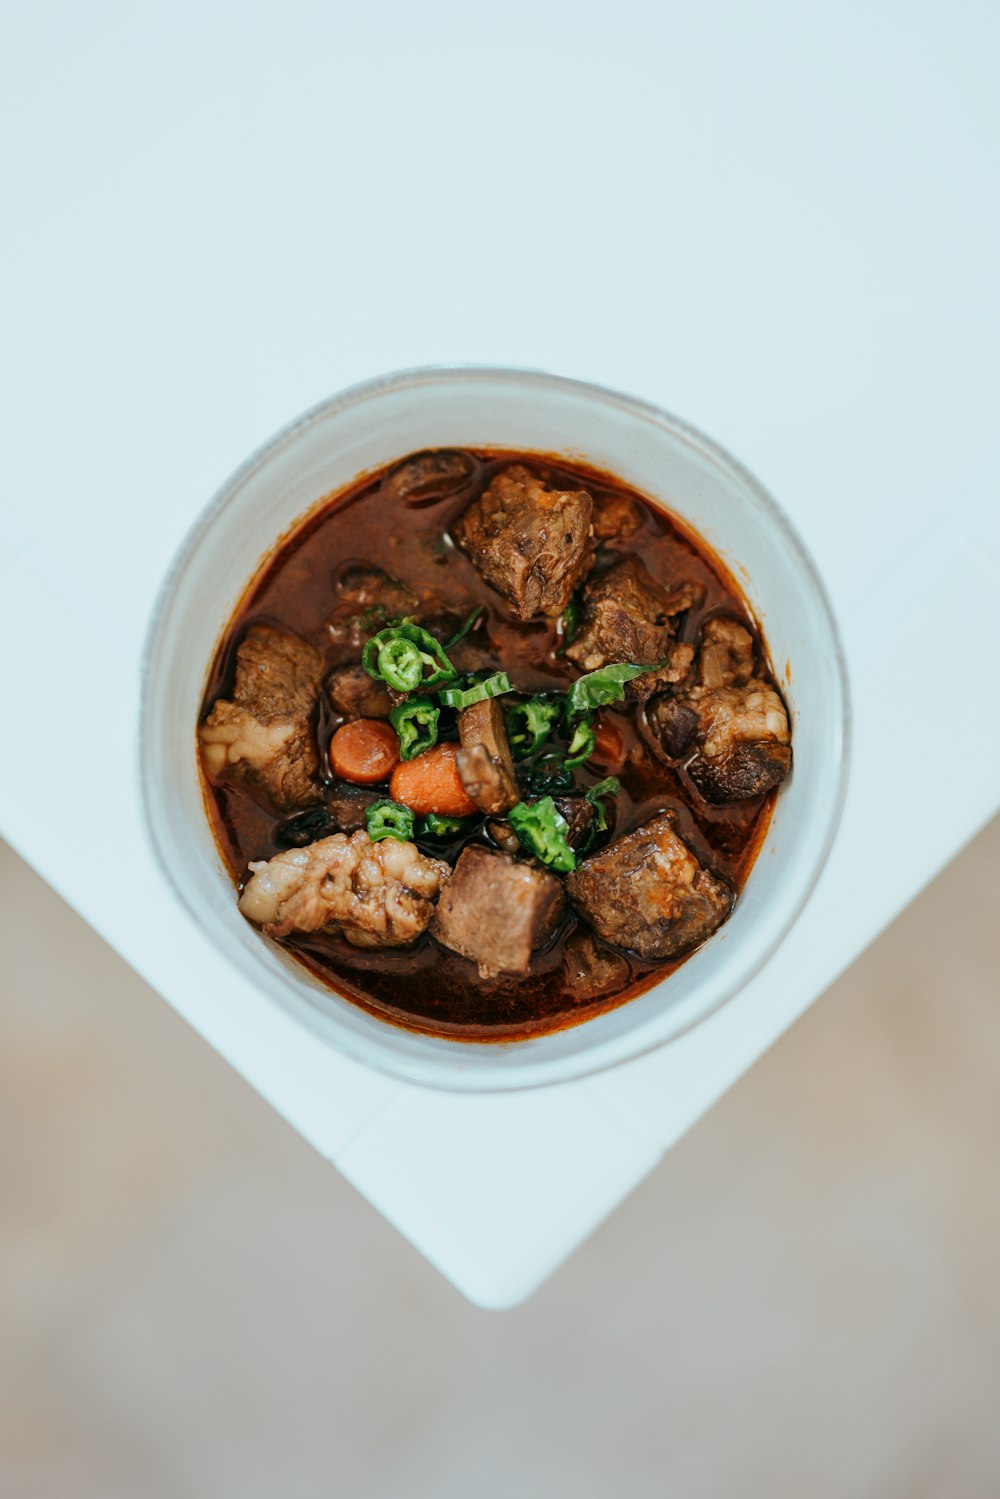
610	786
465	628
600	687
493	686
416	723
549	773
406	657
582	744
542	829
530	724
387	819
435	825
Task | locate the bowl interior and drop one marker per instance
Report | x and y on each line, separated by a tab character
678	469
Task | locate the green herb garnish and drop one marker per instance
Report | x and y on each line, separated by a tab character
416	723
435	825
530	724
387	819
582	744
598	688
542	829
405	657
492	686
461	634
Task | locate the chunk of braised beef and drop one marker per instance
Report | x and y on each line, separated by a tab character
347	804
484	763
629	616
497	912
367	598
616	518
532	544
732	724
353	693
431	476
590	969
647	892
263	735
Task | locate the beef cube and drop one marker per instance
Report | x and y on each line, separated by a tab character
629	616
531	544
367	598
353	694
647	892
616	518
484	762
497	912
262	735
591	969
732	724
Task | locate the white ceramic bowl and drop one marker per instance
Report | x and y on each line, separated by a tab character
679	469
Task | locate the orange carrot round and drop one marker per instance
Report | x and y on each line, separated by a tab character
364	751
431	783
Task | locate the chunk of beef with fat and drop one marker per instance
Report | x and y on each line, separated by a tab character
732	725
353	694
629	616
375	894
263	732
531	544
497	912
647	892
591	969
616	518
484	762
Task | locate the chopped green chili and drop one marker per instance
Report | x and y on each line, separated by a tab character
405	657
530	724
600	687
435	825
387	819
457	697
582	744
416	723
542	829
461	634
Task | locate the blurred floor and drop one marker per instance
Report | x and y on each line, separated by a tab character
802	1300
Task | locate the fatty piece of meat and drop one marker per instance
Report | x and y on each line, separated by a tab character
347	805
353	694
484	763
733	724
530	543
647	892
376	894
629	616
263	732
426	477
675	669
591	969
497	912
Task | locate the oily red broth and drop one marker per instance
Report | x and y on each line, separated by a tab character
428	987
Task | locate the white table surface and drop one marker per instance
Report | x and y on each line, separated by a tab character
778	222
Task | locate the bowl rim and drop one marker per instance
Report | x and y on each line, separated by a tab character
431	1071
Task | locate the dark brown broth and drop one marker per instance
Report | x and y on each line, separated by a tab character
427	987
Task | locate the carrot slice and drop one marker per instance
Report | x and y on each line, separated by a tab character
431	783
364	751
